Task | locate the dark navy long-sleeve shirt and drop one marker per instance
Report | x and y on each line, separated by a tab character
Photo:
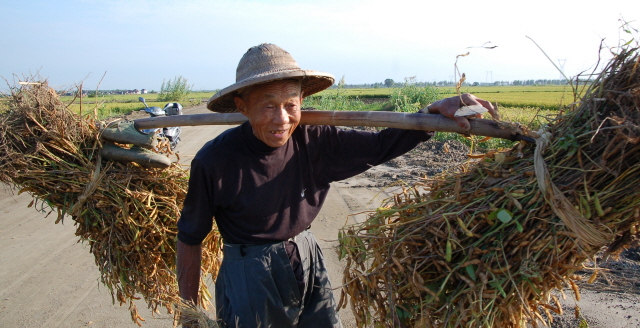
259	194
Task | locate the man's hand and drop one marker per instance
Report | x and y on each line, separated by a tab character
449	106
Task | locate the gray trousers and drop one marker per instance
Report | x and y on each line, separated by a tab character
256	287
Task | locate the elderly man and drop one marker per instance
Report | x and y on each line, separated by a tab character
264	182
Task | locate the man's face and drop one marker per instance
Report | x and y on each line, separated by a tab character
273	110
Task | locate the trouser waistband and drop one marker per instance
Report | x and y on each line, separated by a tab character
234	251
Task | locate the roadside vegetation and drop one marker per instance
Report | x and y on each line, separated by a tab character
412	98
528	105
531	106
176	90
109	105
548	96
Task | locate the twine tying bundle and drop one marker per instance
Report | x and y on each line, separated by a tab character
561	205
96	177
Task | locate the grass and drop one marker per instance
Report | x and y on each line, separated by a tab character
133	98
531	106
412	98
114	105
531	117
363	93
176	90
528	105
106	110
337	100
548	97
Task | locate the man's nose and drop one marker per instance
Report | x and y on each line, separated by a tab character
281	115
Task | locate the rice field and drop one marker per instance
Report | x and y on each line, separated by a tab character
113	105
531	106
528	105
542	99
548	97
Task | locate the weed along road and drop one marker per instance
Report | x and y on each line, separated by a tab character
49	279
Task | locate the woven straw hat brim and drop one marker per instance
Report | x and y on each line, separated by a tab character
312	82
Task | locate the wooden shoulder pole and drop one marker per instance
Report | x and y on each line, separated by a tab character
407	121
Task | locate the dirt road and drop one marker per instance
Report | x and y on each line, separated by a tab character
48	279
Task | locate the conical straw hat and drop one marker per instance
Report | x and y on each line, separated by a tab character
265	63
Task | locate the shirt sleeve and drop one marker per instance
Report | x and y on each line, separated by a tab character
351	152
196	219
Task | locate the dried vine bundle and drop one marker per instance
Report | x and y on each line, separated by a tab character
126	213
486	247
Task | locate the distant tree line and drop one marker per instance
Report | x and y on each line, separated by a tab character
390	83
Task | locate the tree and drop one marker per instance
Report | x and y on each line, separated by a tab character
388	83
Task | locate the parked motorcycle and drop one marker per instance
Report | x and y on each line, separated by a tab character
171	133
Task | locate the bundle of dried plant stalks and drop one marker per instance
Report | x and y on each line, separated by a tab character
486	247
126	213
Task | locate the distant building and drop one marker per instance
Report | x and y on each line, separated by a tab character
143	91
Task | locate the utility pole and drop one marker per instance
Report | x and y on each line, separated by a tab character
561	63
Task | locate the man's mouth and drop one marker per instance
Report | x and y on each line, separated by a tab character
277	132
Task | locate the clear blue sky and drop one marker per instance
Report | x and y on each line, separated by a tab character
139	43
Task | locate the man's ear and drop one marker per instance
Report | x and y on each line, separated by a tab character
239	104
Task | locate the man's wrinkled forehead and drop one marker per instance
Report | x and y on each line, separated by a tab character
275	95
276	89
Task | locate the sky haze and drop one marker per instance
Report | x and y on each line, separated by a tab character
139	43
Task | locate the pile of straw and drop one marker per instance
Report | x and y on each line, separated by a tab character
126	213
486	247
